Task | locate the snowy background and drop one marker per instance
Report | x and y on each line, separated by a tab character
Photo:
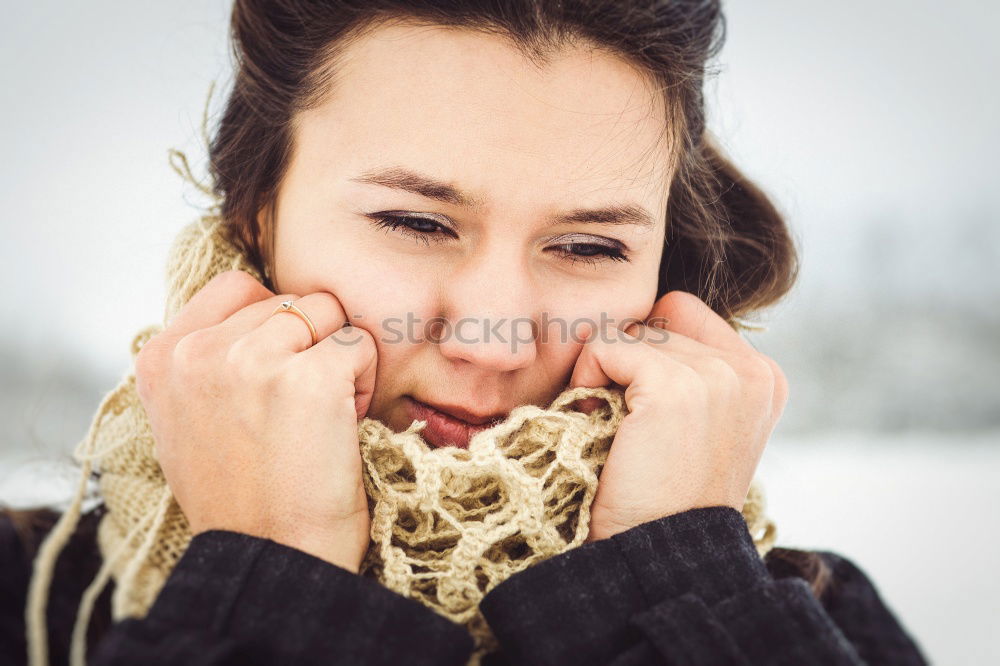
873	125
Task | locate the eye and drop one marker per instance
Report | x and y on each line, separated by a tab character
427	230
420	228
590	253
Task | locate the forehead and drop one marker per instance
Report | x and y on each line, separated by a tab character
469	107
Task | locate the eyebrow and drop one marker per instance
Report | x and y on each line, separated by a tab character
399	178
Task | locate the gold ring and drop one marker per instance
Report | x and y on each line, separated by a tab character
289	306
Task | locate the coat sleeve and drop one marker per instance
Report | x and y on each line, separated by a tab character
688	588
238	599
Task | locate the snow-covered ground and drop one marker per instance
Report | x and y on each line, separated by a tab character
917	512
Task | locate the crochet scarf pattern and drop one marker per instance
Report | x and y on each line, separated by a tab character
447	524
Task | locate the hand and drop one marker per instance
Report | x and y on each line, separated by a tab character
703	403
256	431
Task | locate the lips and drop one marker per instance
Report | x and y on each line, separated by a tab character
445	429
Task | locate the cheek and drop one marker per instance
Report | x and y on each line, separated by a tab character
574	317
391	304
371	286
565	328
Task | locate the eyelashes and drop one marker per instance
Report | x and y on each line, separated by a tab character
428	231
419	228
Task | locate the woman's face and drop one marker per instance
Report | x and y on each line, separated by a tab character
495	173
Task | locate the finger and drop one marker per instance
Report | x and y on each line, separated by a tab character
287	330
677	345
683	312
615	357
702	357
253	315
226	293
743	373
351	347
662	338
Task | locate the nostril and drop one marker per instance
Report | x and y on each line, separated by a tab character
435	331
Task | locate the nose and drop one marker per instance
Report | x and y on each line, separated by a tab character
489	341
488	319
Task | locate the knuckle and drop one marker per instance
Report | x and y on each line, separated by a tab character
680	295
241	363
762	378
780	382
235	280
238	286
759	369
782	388
354	338
238	350
192	351
721	370
687	374
682	381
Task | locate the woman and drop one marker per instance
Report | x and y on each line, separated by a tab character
502	200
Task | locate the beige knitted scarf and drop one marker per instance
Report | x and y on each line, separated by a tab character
447	524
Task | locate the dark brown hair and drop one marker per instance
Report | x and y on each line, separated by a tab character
725	241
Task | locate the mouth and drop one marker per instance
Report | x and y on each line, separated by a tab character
449	425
